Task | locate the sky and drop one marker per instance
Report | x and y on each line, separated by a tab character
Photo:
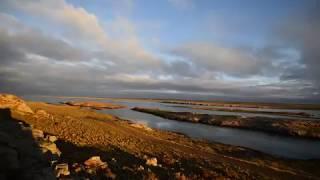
193	49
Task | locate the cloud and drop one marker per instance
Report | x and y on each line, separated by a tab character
214	58
103	58
302	32
76	19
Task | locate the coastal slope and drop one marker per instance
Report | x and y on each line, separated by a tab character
138	152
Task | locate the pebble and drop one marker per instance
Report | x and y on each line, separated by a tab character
62	169
152	161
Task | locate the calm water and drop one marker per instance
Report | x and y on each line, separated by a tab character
271	144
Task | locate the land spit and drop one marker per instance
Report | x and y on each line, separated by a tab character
289	127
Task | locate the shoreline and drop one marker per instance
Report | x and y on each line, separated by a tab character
203	103
304	115
288	127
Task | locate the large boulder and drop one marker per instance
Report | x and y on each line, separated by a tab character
14	103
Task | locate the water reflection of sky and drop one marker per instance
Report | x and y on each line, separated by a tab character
272	144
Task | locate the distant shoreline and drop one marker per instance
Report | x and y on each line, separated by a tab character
287	127
261	105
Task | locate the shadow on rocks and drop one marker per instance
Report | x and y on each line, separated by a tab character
21	157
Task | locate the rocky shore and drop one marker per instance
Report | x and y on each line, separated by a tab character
287	114
289	127
46	141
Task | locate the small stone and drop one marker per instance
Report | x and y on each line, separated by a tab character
140	168
52	138
49	146
180	176
62	169
110	174
141	126
77	167
37	133
90	171
94	161
152	162
151	176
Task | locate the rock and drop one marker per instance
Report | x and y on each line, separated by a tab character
91	171
168	160
5	138
14	103
46	174
180	176
9	159
49	146
152	162
141	126
140	168
150	176
62	169
109	174
42	114
232	123
5	114
52	138
77	167
94	161
37	133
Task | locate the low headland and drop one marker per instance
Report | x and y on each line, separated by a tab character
297	114
258	105
290	127
94	105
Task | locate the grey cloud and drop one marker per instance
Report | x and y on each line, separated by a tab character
302	32
8	51
33	41
231	61
61	68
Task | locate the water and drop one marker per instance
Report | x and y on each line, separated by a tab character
287	147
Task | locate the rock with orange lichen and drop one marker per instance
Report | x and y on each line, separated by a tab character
9	101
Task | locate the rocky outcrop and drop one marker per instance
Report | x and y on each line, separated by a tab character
8	101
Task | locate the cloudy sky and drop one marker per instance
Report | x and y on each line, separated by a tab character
202	49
